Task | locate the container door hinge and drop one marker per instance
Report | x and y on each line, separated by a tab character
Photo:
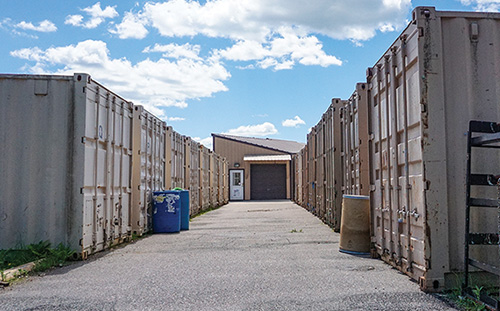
84	140
420	31
427	184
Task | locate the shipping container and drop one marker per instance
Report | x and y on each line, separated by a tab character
329	170
194	175
175	157
319	158
226	181
311	167
442	72
66	162
148	167
204	177
214	179
354	137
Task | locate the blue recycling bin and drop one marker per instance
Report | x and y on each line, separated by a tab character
184	209
166	211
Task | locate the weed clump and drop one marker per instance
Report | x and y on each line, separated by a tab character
42	253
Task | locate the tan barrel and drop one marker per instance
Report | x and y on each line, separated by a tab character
355	224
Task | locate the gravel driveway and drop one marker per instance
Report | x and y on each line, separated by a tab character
244	256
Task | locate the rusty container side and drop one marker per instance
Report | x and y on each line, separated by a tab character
66	162
441	73
148	166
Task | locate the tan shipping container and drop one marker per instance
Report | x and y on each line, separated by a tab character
214	179
66	160
354	138
175	151
148	167
193	177
204	177
442	72
329	169
225	181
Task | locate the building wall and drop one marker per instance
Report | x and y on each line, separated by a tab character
234	152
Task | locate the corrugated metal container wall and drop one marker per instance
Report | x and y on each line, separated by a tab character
220	187
354	143
214	179
194	176
337	104
440	74
148	166
205	177
330	211
297	160
226	181
311	165
305	175
66	157
176	147
320	169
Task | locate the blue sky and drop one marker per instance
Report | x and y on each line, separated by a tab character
261	68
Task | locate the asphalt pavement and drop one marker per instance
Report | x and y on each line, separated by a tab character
270	255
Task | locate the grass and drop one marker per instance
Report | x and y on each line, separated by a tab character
41	252
295	231
466	303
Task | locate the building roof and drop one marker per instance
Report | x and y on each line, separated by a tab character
286	146
273	157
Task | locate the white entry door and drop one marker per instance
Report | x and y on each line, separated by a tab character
236	184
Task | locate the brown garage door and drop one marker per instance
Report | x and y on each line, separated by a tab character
267	181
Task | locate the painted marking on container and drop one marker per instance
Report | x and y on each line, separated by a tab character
100	131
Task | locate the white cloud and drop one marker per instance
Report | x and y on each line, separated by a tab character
154	84
258	19
295	122
281	52
43	26
263	129
207	142
175	51
275	34
132	26
483	5
97	16
174	119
